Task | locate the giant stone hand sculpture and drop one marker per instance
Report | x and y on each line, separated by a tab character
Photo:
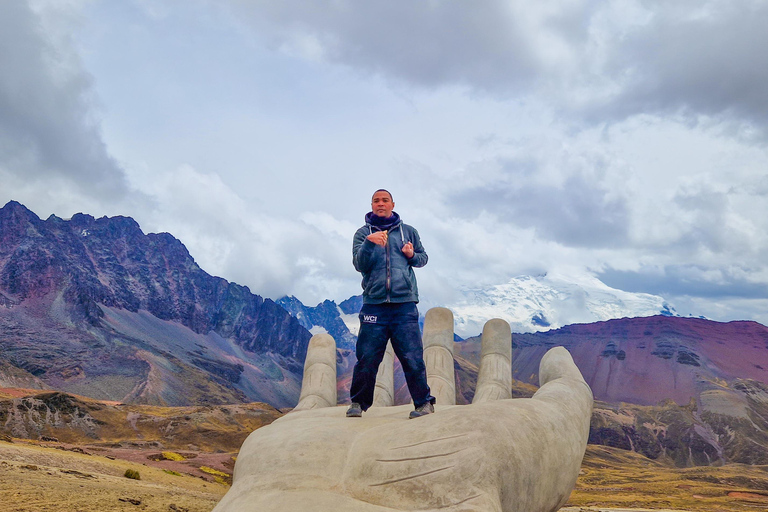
498	454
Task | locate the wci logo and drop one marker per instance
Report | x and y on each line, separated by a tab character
370	319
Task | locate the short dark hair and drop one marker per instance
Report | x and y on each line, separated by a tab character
384	190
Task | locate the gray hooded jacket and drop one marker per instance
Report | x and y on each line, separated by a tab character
387	274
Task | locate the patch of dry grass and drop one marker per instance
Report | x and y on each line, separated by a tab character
35	478
6	393
173	456
220	476
613	478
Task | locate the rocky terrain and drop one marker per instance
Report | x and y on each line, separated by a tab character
30	414
97	307
63	452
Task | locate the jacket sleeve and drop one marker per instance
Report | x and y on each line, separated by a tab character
362	250
420	257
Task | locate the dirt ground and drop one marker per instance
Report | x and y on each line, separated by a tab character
35	478
603	509
614	480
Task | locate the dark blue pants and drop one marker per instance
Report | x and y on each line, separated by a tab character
378	324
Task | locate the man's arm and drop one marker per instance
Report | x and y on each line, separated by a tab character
362	250
419	258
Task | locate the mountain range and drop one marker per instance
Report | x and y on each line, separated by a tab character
688	389
97	308
529	303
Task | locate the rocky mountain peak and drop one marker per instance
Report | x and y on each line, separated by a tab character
15	208
16	221
323	317
86	267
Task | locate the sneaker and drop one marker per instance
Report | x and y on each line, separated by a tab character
425	409
354	411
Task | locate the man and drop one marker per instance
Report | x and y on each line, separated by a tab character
385	251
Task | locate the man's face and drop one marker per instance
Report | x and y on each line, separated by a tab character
382	205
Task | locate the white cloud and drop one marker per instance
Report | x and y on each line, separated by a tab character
228	237
47	125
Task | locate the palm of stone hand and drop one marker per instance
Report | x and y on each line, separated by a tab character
498	454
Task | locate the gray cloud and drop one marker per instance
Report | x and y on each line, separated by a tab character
596	60
576	213
693	58
707	227
688	280
710	225
480	44
46	124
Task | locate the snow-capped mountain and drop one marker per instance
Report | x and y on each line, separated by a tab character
528	303
325	317
549	301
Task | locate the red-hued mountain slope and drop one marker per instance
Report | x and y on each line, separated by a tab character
688	390
648	360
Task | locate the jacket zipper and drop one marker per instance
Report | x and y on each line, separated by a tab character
389	272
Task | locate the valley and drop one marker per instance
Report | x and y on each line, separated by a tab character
61	477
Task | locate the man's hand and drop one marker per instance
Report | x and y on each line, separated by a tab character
408	250
379	238
498	454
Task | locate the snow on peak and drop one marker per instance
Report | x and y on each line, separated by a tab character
550	301
318	329
350	320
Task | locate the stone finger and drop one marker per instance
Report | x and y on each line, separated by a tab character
494	381
384	392
318	387
438	355
558	363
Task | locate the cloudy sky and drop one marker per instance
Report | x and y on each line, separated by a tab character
625	140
